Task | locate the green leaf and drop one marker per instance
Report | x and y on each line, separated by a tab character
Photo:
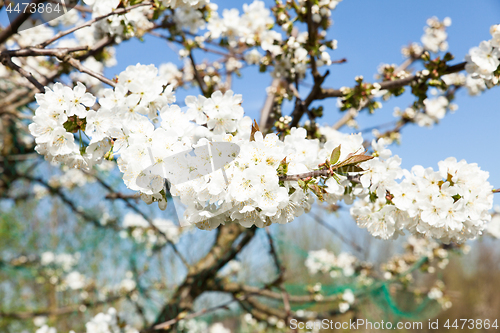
335	155
353	160
255	129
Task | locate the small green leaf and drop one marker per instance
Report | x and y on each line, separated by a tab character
335	155
456	197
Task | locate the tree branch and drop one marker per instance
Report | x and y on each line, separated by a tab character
78	65
327	93
201	275
18	21
7	61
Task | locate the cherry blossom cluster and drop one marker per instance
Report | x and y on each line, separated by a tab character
474	85
103	322
137	122
71	178
36	65
450	204
421	252
321	10
251	324
137	21
143	232
483	60
325	261
493	228
437	293
200	326
56	107
416	248
175	77
434	38
46	329
344	265
252	28
232	268
294	60
55	269
434	109
428	256
414	50
59	270
345	299
43	65
253	194
63	260
190	18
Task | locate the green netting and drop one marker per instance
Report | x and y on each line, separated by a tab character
379	303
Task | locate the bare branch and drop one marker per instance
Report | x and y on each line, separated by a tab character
6	58
78	65
327	93
331	228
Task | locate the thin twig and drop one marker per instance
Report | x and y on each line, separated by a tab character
78	65
331	228
274	254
